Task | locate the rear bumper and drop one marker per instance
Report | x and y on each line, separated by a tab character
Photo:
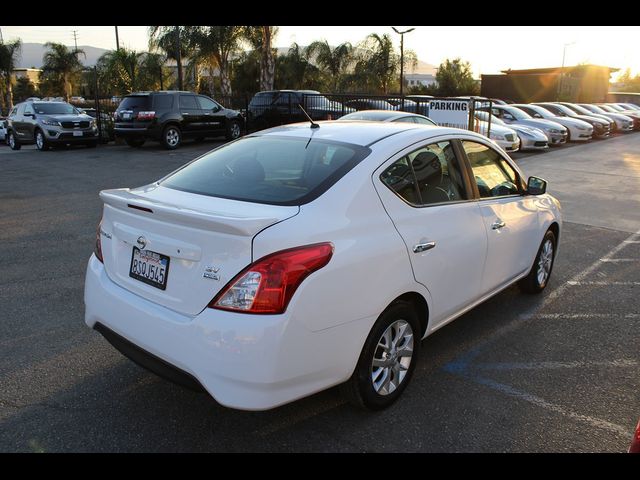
250	362
148	132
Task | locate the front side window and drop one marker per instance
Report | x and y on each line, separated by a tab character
493	175
268	169
28	110
427	176
208	104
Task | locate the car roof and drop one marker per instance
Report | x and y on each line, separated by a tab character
356	132
382	115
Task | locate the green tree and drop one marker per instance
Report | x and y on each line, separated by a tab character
165	39
379	64
124	71
333	62
24	89
454	78
628	83
246	73
261	39
294	70
215	46
62	65
9	54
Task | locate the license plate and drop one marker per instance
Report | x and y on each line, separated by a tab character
514	146
126	116
77	134
149	267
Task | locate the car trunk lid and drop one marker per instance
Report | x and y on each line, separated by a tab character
202	242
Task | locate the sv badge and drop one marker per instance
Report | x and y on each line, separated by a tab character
212	273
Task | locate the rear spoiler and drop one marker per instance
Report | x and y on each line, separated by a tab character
123	199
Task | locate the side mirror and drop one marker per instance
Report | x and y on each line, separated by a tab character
32	115
536	186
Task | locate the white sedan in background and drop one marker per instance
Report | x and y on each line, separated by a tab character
576	129
531	138
311	255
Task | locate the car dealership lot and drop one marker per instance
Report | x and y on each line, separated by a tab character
556	372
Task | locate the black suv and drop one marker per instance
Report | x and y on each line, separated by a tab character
170	116
278	107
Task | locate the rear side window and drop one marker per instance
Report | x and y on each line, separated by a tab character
427	176
136	103
189	102
272	170
163	102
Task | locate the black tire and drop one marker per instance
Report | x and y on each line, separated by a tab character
41	140
13	142
93	144
568	136
234	130
536	281
171	137
360	389
135	142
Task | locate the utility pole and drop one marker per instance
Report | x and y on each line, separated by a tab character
179	58
564	51
402	56
1	39
117	40
75	39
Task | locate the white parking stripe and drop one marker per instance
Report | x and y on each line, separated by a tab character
601	283
616	260
622	363
541	402
580	316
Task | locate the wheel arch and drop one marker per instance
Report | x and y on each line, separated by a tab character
421	306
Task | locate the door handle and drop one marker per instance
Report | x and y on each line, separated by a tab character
208	113
498	224
185	113
423	247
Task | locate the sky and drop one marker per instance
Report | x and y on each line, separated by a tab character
489	49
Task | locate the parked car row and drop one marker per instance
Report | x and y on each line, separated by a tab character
165	116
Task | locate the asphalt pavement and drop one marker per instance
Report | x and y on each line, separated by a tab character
558	372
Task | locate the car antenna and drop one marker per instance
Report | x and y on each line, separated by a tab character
313	124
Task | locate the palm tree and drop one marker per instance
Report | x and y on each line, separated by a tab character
380	60
9	53
334	61
294	70
261	38
165	38
124	71
214	45
62	65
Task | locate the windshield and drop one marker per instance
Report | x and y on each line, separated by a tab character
583	109
543	112
269	169
517	113
484	116
594	108
55	109
566	110
612	108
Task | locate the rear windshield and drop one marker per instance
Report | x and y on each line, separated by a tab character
136	103
272	170
54	109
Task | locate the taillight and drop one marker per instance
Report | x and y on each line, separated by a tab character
267	285
146	115
98	248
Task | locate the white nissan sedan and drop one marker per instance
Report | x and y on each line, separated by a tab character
303	257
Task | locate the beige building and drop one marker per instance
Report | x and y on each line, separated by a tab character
33	74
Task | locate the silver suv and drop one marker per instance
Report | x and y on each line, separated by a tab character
49	123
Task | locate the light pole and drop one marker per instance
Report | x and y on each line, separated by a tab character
402	56
564	51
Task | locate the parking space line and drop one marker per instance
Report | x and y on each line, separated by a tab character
632	241
621	363
541	402
615	260
580	316
601	283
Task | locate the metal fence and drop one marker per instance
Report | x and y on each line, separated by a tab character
268	109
